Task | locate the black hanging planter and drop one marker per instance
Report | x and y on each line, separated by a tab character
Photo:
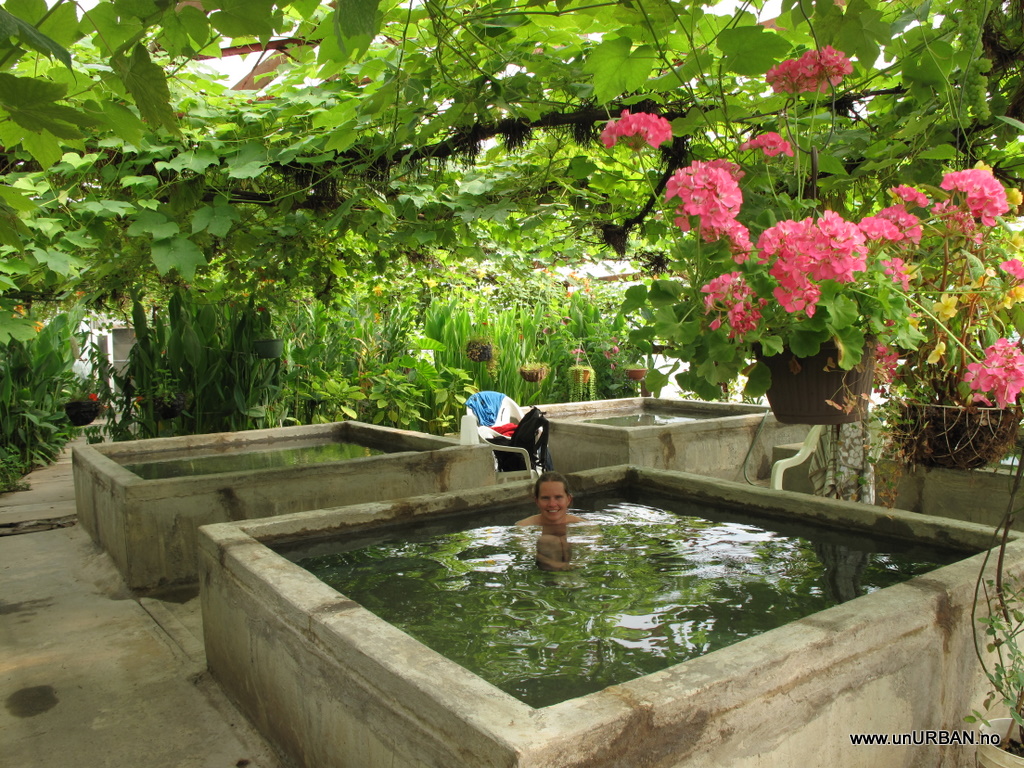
479	350
169	407
82	412
268	349
814	390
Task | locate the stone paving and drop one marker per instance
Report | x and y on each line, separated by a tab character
92	675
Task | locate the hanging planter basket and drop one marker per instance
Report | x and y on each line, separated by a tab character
636	374
580	374
814	390
534	372
82	412
268	349
955	437
479	351
170	407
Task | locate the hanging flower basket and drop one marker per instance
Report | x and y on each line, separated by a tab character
534	372
955	437
814	390
82	412
580	374
268	349
479	350
636	374
170	407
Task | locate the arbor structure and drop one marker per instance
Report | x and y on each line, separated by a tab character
395	137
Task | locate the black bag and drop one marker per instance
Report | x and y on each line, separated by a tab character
530	434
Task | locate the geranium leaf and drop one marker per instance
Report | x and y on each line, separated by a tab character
758	381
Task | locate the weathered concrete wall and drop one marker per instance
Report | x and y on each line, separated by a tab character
734	445
149	526
975	496
333	686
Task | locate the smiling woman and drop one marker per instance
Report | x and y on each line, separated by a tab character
553	499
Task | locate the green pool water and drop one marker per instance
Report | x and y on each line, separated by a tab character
655	584
215	464
652	419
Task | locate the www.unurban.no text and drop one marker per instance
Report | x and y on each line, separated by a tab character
919	738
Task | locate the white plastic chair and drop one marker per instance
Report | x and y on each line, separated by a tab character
809	446
472	432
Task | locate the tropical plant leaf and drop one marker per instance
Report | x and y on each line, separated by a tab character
147	84
244	18
617	68
28	35
178	253
751	50
216	219
31	103
355	18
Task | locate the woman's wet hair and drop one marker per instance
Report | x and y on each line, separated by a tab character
551	477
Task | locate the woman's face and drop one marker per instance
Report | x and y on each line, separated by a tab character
552	501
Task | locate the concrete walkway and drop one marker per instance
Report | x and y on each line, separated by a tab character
91	675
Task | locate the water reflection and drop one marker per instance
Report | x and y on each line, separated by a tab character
554	551
842	569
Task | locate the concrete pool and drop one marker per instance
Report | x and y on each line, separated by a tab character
333	685
148	526
732	441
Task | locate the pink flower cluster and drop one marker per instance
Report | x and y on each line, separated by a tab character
730	294
638	127
710	191
1014	268
827	248
910	195
907	226
771	144
986	197
815	71
887	361
1001	373
898	270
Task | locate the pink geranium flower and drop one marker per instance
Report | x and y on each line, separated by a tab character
815	71
1013	267
880	228
730	294
907	223
640	127
710	192
986	197
1001	373
898	270
771	144
910	195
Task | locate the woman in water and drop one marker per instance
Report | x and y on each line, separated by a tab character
552	496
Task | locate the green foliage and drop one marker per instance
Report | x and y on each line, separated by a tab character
34	376
201	351
12	469
155	173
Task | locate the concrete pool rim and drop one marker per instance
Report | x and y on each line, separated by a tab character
431	695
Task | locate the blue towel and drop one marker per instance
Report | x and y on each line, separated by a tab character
486	406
